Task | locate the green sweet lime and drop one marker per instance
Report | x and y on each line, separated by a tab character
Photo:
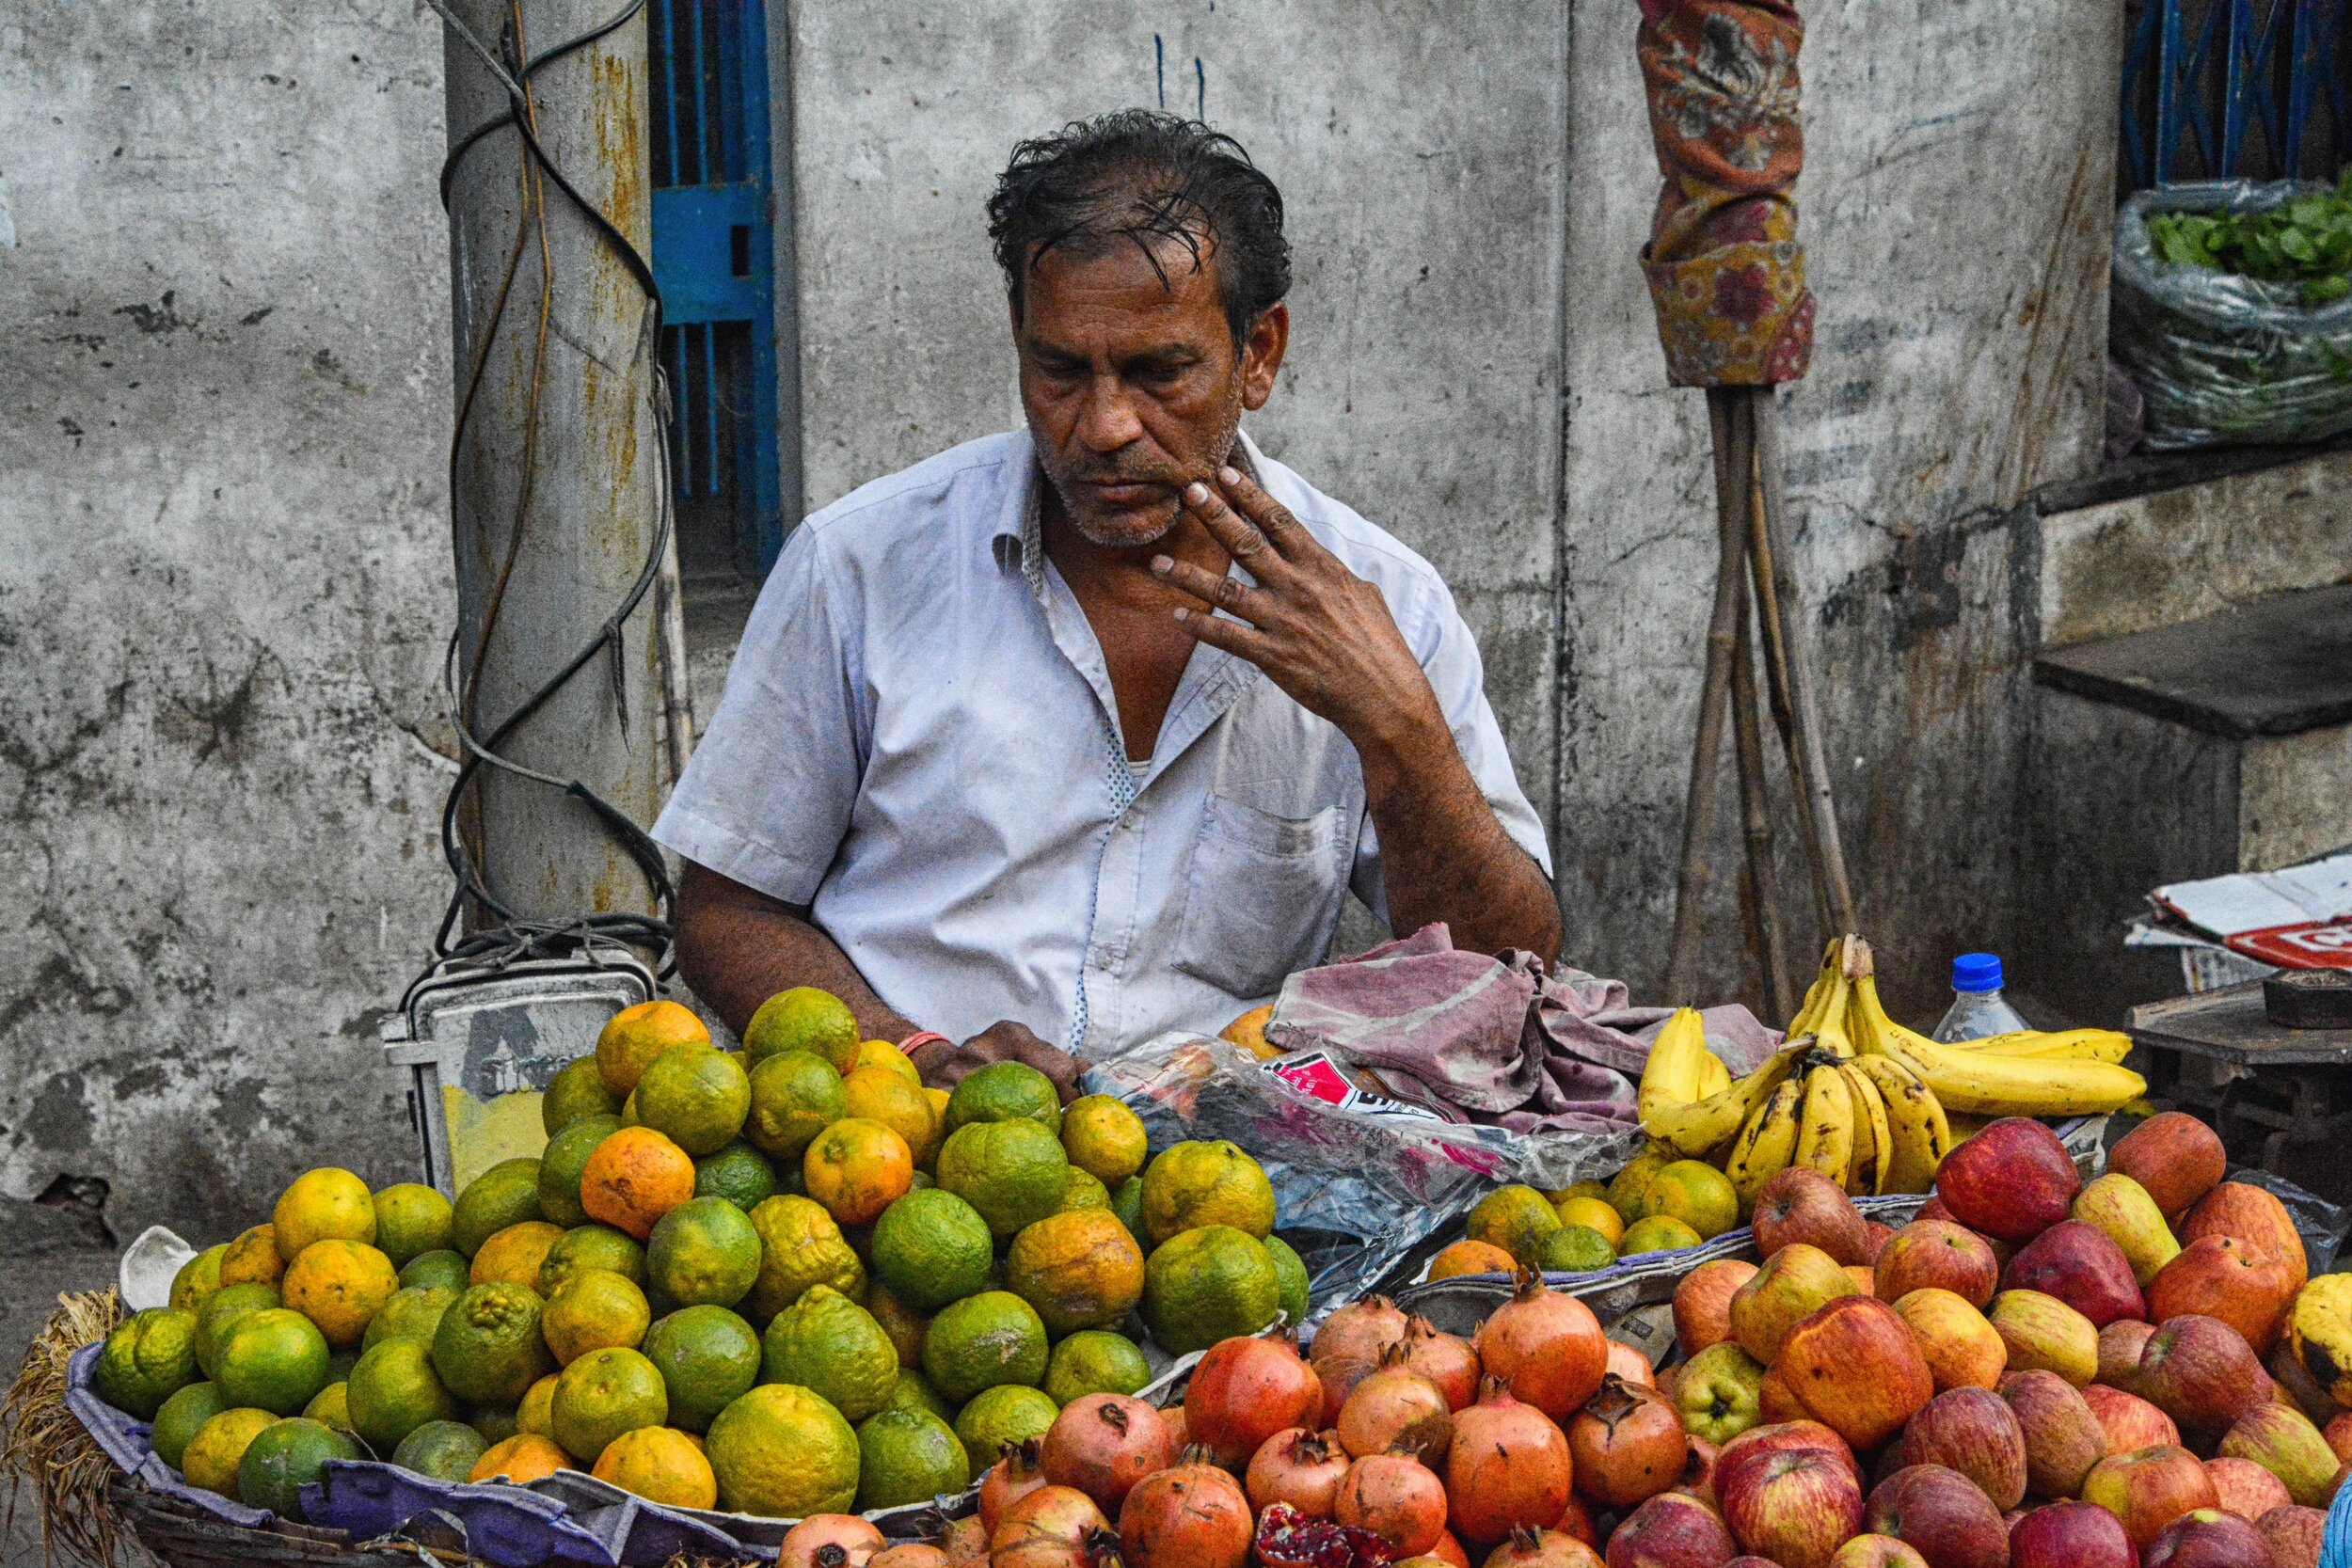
411	1219
738	1173
180	1414
1209	1284
803	1019
1127	1203
273	1360
1095	1361
913	1391
704	1252
696	1096
564	1161
506	1194
439	1267
931	1248
150	1356
907	1456
1574	1250
984	1341
286	1457
578	1089
602	1395
829	1344
1290	1272
198	1278
996	1418
707	1357
795	1096
413	1311
1005	1091
393	1391
1013	1172
487	1347
446	1451
591	1247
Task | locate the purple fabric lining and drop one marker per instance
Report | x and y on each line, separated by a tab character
1494	1040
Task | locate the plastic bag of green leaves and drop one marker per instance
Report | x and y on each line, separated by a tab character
2233	310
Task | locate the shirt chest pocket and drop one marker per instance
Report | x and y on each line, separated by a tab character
1261	895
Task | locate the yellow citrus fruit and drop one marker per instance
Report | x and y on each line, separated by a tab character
1574	1250
1080	1270
595	1309
1081	1191
591	1247
535	1413
252	1259
800	1245
1515	1218
340	1286
1102	1138
1657	1233
322	1205
1594	1213
1248	1032
882	1053
694	1095
878	1094
804	1019
996	1418
857	1168
1557	1195
939	1098
198	1278
633	1036
331	1404
795	1096
212	1457
1205	1285
1471	1257
411	1219
1694	1193
1195	1183
660	1465
523	1458
634	1178
1626	1187
516	1254
781	1452
602	1395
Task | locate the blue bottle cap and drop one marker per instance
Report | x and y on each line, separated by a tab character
1977	972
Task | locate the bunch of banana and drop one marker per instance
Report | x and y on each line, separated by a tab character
1866	1123
1680	1070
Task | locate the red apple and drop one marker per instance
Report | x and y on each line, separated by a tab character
1853	1365
2286	1443
2172	1154
2082	1267
2338	1431
1800	1204
1962	1350
2129	1421
2120	1347
2207	1538
1972	1431
2224	1277
2202	1373
2043	1331
1670	1530
1780	1436
2294	1534
1937	1254
1943	1513
2014	1180
2148	1488
1792	1284
2242	1487
1875	1237
2071	1535
1795	1505
2254	1216
1877	1551
2062	1437
1703	1303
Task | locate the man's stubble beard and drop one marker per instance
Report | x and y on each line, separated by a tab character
1129	535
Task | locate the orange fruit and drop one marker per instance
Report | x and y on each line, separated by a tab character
252	1259
1079	1269
634	1178
515	1254
322	1205
524	1457
635	1035
878	1094
1248	1032
660	1465
1472	1258
857	1168
340	1286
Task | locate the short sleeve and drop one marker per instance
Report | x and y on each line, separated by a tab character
1449	656
768	794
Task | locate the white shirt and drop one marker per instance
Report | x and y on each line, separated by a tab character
918	740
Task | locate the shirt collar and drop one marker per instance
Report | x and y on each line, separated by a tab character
1019	543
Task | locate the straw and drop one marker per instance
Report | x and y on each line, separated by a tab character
41	1442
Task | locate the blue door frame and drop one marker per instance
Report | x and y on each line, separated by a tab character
714	257
2222	69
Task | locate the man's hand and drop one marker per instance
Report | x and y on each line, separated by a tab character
943	1066
1319	631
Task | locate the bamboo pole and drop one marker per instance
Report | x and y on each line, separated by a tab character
1755	820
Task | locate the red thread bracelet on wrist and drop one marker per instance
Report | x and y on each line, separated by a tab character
921	1037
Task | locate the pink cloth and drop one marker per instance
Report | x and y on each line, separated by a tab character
1493	1039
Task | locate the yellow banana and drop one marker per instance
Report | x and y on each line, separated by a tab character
1920	1135
1979	1083
1803	1023
1829	1024
1671	1076
1826	1132
2081	1045
1873	1033
1694	1130
1714	1078
1869	1173
1767	1144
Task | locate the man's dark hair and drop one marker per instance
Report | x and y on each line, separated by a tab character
1141	177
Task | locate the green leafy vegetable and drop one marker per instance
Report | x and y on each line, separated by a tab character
2307	242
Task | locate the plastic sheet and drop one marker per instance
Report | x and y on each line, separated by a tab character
2220	359
1358	1191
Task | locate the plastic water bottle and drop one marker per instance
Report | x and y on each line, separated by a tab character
1977	1008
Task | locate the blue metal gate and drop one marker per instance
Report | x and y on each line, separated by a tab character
714	257
2215	89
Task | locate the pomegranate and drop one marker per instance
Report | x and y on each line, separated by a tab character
1179	1430
1449	1550
1100	1549
1244	1391
1339	1375
1297	1468
1396	1497
1057	1513
1190	1515
1631	1365
964	1541
1009	1480
1548	1347
1102	1444
1289	1539
1577	1520
1507	1469
829	1541
1628	1445
1361	1331
1393	1406
1445	1359
909	1554
1543	1548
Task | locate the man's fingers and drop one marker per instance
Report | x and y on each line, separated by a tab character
1288	535
1226	593
1238	534
1245	642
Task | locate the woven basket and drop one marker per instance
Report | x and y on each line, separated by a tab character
186	1537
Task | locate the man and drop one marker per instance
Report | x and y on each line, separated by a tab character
1088	729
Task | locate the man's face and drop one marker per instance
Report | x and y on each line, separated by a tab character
1131	384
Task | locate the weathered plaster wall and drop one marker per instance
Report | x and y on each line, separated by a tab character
224	588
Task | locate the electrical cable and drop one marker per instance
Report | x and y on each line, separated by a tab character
517	936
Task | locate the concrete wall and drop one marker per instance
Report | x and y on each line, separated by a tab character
1474	365
224	588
